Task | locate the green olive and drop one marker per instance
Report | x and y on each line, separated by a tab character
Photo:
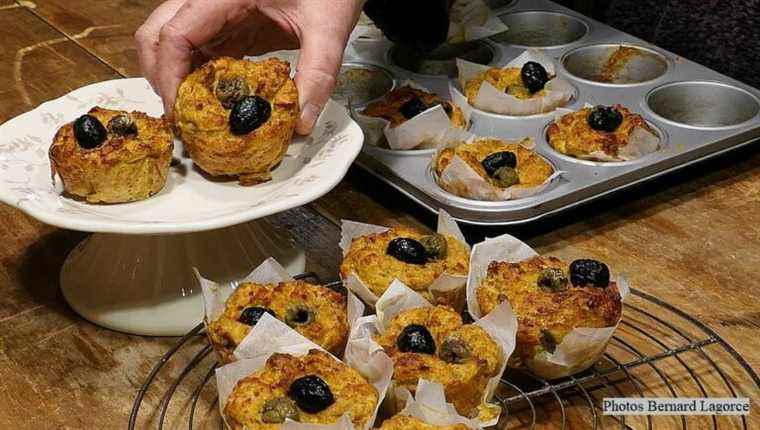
299	315
552	278
548	342
454	350
122	125
231	91
506	177
277	410
435	245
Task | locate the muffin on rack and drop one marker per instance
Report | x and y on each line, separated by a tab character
603	133
312	389
112	156
403	422
414	258
404	103
236	118
499	164
434	344
551	298
315	311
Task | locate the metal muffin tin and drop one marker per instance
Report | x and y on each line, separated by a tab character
698	112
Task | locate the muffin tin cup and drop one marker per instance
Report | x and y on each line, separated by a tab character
376	81
615	64
541	29
442	62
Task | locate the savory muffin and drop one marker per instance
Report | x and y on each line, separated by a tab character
314	388
414	258
550	298
596	130
433	343
237	117
405	103
314	311
523	83
403	422
499	163
111	156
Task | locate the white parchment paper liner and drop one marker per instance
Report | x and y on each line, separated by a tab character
640	143
579	349
461	179
500	324
269	272
426	130
270	336
430	406
444	284
558	90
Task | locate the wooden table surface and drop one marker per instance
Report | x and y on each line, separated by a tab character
691	239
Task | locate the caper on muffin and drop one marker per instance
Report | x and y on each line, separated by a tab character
236	118
403	422
524	82
414	258
404	103
501	164
600	133
316	312
550	298
112	156
434	344
314	388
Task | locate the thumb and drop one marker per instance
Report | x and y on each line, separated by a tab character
318	66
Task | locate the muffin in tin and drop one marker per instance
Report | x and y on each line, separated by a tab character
434	344
403	422
236	118
314	388
314	311
499	163
524	82
414	258
112	156
404	103
601	133
550	298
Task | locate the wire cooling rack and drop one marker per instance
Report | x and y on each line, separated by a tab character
657	351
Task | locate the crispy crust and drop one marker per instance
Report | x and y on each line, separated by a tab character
353	394
403	422
368	259
388	107
203	123
532	169
464	383
501	79
538	309
329	329
123	169
571	134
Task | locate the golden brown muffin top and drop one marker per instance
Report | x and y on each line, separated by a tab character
352	394
389	106
572	135
501	79
403	422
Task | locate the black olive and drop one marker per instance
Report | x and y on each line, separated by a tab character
586	272
416	338
407	250
412	108
506	176
89	132
311	393
231	91
435	245
604	118
534	76
552	279
299	315
122	125
548	341
499	159
277	410
454	351
248	114
250	316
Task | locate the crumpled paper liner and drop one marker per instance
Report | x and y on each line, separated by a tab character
270	336
500	324
430	406
447	285
579	349
426	130
558	90
460	179
268	272
640	143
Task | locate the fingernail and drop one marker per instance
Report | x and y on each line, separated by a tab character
309	115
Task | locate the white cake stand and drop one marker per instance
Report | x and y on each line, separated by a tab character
135	273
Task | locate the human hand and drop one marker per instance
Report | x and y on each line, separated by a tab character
182	34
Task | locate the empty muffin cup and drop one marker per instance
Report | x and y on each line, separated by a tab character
615	64
538	29
442	60
361	83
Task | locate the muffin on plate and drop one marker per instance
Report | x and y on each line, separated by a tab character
111	156
550	298
403	422
498	163
524	82
404	103
314	388
314	311
603	133
236	117
414	258
434	344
